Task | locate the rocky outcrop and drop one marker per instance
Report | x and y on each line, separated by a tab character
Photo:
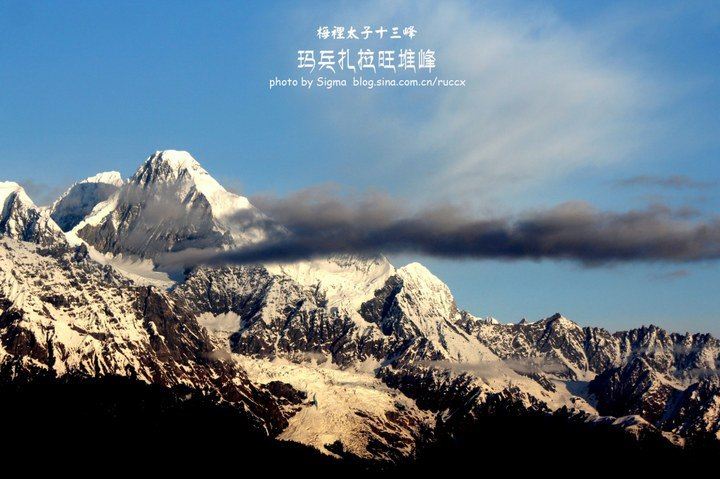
695	413
278	316
635	388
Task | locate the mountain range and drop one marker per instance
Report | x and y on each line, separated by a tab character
351	356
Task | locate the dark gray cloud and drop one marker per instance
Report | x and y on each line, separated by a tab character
676	182
319	224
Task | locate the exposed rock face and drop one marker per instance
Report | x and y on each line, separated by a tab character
639	388
63	315
276	315
577	351
418	311
684	356
406	320
696	412
459	396
634	388
643	372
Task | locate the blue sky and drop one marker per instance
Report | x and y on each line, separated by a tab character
563	99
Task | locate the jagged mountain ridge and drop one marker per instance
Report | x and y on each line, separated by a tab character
645	371
403	325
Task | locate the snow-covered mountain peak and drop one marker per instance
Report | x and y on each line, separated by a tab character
558	320
81	198
178	169
434	294
171	203
417	306
175	159
22	220
170	166
107	177
420	276
10	188
417	269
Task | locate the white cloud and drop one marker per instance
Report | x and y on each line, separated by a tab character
499	368
542	99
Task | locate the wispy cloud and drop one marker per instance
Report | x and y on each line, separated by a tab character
542	99
676	182
671	275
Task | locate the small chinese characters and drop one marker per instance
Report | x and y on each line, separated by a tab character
366	32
